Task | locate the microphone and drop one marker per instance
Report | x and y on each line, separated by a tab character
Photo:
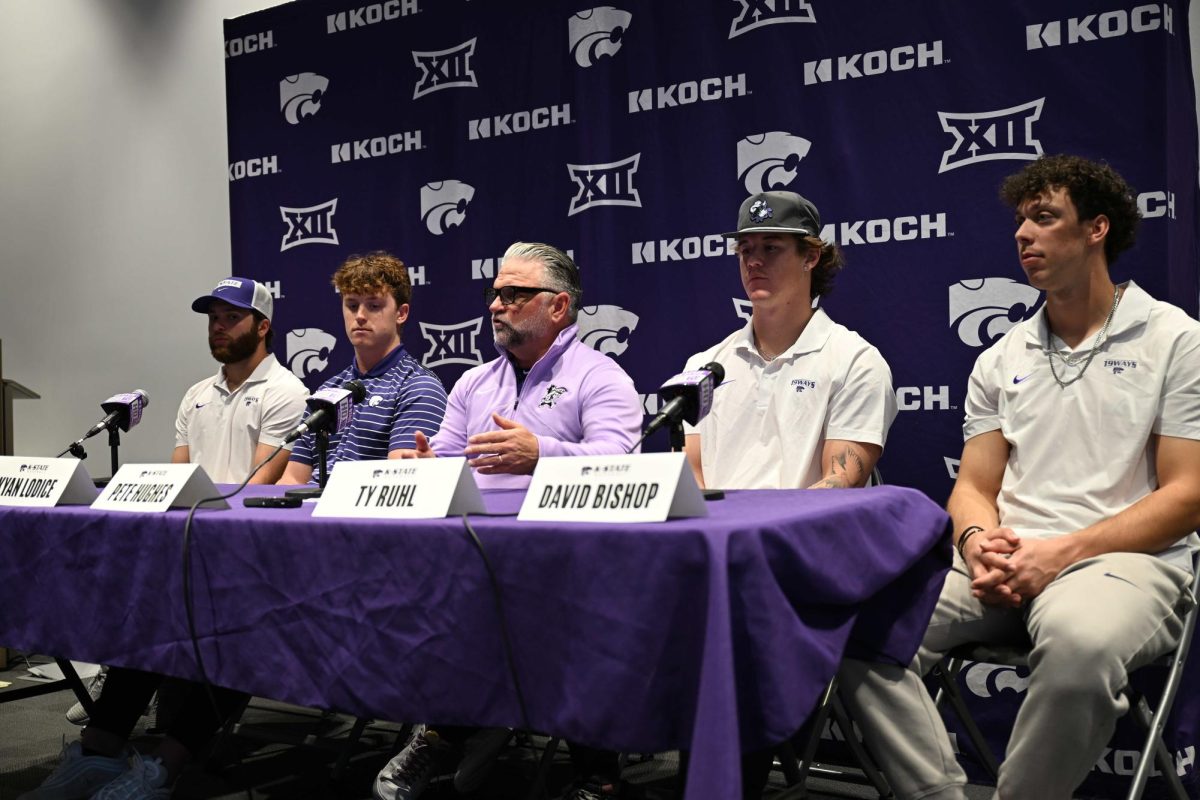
688	396
331	410
124	411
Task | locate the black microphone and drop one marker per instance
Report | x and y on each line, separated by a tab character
331	410
124	411
688	396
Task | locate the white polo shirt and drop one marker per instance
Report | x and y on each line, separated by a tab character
1082	454
221	429
769	420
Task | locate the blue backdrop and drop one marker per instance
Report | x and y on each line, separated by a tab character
628	135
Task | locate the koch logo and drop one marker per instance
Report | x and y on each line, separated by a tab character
274	287
1156	204
416	275
445	69
923	398
991	135
369	15
444	205
606	328
374	148
254	167
876	62
520	122
253	43
312	225
757	13
768	161
604	184
485	268
877	231
983	309
300	95
1125	762
688	248
596	33
308	351
688	92
452	344
743	308
1109	25
650	403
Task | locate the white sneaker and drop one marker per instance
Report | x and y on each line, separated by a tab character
77	777
412	769
146	779
77	714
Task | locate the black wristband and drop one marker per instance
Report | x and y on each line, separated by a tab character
962	539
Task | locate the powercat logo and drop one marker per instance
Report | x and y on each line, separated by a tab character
604	184
983	309
991	135
758	13
876	62
369	15
300	95
444	205
452	344
445	69
769	161
308	351
312	225
596	33
682	94
1109	25
606	328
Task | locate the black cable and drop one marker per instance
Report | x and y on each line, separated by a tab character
504	635
188	601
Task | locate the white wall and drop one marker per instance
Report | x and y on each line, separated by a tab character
114	211
114	207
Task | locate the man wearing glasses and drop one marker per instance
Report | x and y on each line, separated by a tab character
548	394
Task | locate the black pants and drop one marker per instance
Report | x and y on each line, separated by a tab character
127	692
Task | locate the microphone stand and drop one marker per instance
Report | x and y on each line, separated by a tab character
322	455
676	436
114	442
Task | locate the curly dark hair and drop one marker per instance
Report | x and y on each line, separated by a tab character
829	263
375	272
1093	187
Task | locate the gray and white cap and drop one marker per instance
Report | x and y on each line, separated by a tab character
777	212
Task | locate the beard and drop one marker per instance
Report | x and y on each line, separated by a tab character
509	336
238	349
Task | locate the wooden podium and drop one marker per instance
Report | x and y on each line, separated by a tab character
9	390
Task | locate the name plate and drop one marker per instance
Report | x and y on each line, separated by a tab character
157	487
648	487
44	482
409	488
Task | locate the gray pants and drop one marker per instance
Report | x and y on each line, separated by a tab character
1097	621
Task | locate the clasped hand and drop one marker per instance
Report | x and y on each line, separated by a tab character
1007	570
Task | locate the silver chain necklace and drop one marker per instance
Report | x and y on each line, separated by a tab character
1075	358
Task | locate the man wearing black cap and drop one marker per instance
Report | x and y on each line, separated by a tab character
231	421
805	402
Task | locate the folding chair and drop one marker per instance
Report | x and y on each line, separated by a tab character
1154	721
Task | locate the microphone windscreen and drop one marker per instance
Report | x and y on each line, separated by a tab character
718	372
358	392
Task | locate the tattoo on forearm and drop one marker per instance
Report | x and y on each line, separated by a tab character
846	470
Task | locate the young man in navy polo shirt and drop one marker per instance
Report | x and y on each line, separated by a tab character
402	396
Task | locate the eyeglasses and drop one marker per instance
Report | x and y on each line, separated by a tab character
508	294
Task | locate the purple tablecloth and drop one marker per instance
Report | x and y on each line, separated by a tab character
714	635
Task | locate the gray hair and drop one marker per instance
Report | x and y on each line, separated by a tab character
562	275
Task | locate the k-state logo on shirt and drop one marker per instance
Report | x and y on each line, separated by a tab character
553	393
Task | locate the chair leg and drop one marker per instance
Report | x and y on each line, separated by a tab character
538	789
343	759
76	684
819	717
865	762
946	674
788	763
